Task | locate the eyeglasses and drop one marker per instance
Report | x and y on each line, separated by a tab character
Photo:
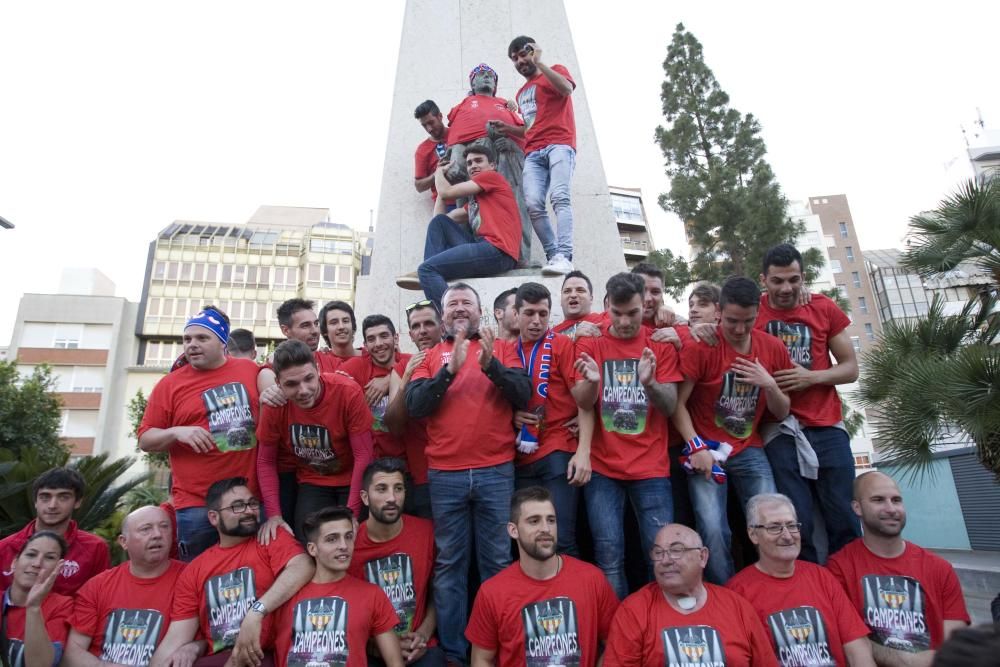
241	506
675	552
420	304
793	527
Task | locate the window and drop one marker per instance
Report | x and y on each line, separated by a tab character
856	278
626	208
849	250
862	461
869	331
227	274
199	273
211	274
186	271
810	239
172	271
842	289
862	305
260	239
835	266
843	229
856	343
68	336
159	270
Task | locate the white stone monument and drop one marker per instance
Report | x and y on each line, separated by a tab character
442	41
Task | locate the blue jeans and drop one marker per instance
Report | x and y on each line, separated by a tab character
550	472
833	487
452	251
194	533
467	504
750	474
605	497
550	169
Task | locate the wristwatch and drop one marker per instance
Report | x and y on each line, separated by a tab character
259	607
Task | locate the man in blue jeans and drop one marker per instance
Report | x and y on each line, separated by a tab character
467	397
483	238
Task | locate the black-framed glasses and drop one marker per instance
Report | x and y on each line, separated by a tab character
673	552
423	303
241	506
792	527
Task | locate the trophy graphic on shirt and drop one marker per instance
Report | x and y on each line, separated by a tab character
798	628
231	588
893	594
319	617
693	647
131	629
550	619
390	575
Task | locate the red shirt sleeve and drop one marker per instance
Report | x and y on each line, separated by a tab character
186	593
423	370
607	605
57	620
269	438
691	361
667	368
157	413
279	552
585	345
954	608
849	621
363	449
760	644
85	619
625	641
483	623
358	416
838	320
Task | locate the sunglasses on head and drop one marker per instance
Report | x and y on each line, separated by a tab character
420	304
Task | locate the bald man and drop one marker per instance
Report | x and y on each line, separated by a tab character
679	619
909	597
121	614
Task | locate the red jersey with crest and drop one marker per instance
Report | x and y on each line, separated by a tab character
364	370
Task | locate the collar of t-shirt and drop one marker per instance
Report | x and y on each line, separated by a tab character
68	536
451	337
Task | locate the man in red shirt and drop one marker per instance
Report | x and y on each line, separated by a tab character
727	389
505	315
630	380
396	553
121	615
577	299
204	415
228	591
337	326
481	239
468	398
681	620
545	609
804	607
909	597
810	451
550	149
58	492
429	151
332	618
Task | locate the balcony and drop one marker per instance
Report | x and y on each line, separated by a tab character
635	248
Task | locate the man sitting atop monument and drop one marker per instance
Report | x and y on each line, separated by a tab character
429	151
478	240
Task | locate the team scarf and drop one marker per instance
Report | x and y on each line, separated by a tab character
538	365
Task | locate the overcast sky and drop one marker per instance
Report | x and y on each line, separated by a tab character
117	118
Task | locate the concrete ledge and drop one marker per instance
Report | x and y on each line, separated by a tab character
979	574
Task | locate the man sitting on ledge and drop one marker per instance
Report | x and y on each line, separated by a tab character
482	239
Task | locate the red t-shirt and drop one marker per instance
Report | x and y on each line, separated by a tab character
86	556
221	584
904	600
496	211
551	382
471	428
414	439
402	567
330	624
364	370
224	401
568	327
630	439
426	158
467	120
806	332
647	631
721	407
558	621
547	113
807	614
57	610
125	616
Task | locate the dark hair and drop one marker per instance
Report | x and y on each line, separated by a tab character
460	285
623	286
970	646
532	293
335	305
59	478
220	488
705	290
289	354
386	465
241	340
426	107
288	309
49	534
482	149
517	44
500	302
216	310
527	495
782	255
739	291
647	269
575	273
314	521
376	321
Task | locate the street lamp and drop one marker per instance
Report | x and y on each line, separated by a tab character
6	224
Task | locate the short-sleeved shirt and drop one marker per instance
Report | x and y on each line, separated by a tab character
557	621
330	624
402	567
414	438
363	370
467	119
547	113
125	616
806	332
493	213
807	614
904	600
630	440
319	437
426	158
220	585
86	556
723	408
647	631
568	327
223	401
57	610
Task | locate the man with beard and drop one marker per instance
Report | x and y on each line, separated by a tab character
804	607
121	615
204	415
57	493
505	315
680	620
909	597
333	617
397	554
546	608
467	396
430	151
577	299
228	591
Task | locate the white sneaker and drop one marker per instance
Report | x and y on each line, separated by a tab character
558	265
409	281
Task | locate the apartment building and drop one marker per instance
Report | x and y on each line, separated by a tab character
633	226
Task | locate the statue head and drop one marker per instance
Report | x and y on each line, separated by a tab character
483	80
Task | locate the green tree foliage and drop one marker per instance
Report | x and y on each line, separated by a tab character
29	413
136	409
720	185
